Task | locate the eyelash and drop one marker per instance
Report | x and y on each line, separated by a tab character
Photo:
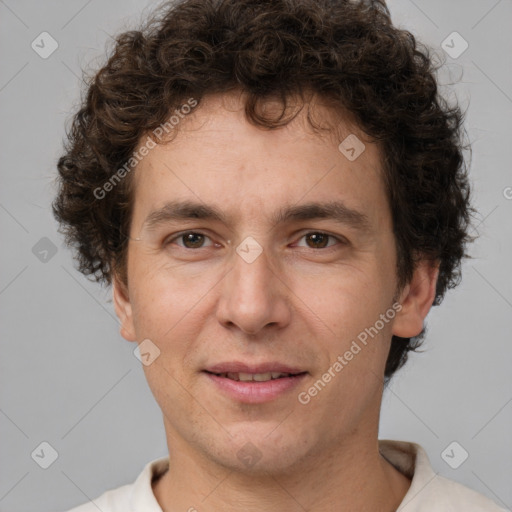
183	233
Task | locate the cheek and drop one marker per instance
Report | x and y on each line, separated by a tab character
346	308
171	310
345	299
158	297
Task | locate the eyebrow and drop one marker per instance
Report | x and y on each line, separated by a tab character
189	210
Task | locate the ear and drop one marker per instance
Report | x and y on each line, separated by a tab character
123	309
416	300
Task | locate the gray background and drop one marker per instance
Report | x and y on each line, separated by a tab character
68	378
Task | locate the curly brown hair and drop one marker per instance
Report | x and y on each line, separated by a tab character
345	51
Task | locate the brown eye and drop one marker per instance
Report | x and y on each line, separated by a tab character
190	240
318	240
193	240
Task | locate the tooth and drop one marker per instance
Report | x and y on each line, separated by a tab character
232	376
276	375
260	377
245	376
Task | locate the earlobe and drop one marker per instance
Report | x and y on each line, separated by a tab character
123	309
416	299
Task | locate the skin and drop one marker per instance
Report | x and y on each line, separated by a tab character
298	303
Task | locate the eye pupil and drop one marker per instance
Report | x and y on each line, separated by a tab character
190	238
319	239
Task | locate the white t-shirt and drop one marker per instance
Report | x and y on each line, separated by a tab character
428	492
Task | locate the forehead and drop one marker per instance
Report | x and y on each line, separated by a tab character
217	156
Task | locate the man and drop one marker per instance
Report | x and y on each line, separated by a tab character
277	195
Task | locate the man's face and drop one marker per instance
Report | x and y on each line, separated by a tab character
210	298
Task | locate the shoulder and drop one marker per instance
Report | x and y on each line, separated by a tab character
135	496
443	494
114	500
430	491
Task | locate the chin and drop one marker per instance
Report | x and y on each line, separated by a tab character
261	449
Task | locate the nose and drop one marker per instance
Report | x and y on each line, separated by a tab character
253	297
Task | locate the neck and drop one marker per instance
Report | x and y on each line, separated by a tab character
354	477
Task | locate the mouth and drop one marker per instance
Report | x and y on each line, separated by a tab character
254	384
256	377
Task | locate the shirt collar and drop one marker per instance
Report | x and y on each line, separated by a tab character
142	496
413	462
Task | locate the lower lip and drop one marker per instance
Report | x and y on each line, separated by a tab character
252	392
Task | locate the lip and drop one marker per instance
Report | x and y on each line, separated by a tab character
253	392
240	367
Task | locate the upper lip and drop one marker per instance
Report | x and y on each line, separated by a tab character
240	367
